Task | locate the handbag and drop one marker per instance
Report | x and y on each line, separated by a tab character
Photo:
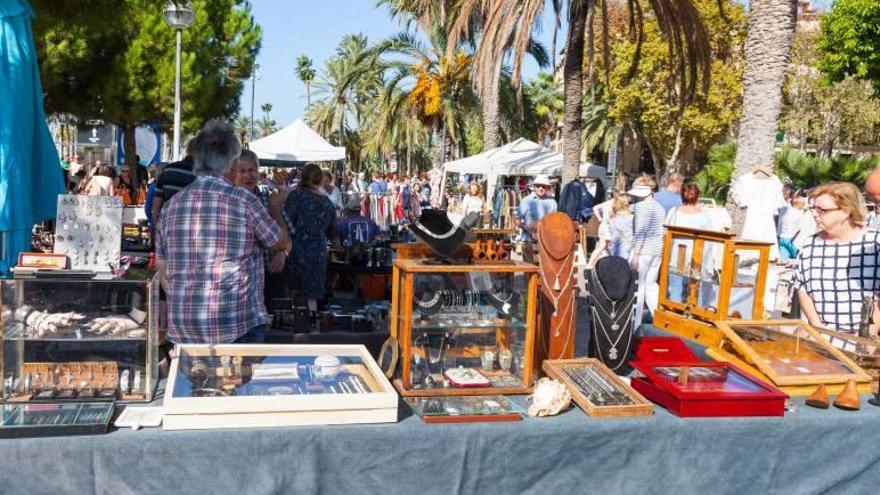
592	226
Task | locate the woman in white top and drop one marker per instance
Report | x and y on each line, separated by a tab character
789	224
473	201
101	184
689	215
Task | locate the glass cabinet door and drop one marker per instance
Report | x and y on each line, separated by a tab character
741	303
468	330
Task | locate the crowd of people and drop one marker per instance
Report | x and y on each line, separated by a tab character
227	233
826	235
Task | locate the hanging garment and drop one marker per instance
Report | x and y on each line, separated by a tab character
761	198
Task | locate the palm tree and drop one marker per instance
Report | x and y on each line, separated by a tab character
546	96
266	108
510	24
306	73
767	51
440	86
345	89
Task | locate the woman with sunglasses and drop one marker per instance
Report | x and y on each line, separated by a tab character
839	266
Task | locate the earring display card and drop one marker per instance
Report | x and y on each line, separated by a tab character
88	229
596	389
708	389
34	420
469	409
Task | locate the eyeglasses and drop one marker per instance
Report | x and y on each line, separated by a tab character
822	211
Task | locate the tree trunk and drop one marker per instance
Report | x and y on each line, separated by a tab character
574	89
671	163
308	94
489	108
768	47
129	149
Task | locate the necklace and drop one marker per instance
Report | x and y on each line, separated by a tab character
612	318
444	235
554	297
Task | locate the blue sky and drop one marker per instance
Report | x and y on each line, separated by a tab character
314	28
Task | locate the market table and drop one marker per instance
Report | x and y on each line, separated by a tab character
807	451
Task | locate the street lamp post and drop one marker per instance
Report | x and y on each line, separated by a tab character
253	95
179	15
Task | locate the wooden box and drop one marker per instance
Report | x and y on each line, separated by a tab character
249	386
707	389
707	276
790	354
465	329
567	371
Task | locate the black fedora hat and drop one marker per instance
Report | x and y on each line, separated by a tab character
436	230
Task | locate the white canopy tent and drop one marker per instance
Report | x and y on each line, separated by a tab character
517	158
296	143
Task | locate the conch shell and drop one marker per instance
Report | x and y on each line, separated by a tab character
550	397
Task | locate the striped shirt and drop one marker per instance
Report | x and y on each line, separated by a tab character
210	236
648	227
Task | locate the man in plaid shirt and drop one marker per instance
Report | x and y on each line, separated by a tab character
208	249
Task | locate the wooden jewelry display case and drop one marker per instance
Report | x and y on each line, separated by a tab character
464	329
708	276
78	340
865	352
596	389
789	354
250	386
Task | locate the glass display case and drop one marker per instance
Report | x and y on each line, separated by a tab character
707	389
464	329
789	354
465	409
865	352
707	276
78	340
34	420
238	386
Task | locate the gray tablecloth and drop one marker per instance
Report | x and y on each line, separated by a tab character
807	451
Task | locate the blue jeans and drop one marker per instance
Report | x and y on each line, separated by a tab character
256	335
787	249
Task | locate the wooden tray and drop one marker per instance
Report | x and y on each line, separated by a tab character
640	406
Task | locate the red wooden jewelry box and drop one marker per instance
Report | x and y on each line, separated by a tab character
687	387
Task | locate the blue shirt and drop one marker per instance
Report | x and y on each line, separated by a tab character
668	199
534	208
148	204
378	187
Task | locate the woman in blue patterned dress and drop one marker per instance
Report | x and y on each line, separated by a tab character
312	217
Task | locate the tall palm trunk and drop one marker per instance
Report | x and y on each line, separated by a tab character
572	75
768	46
489	104
308	94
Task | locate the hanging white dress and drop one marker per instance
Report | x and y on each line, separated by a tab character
761	198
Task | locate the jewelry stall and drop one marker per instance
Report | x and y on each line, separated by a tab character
464	329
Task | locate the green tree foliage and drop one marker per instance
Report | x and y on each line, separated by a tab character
305	72
800	169
121	64
650	101
824	113
850	41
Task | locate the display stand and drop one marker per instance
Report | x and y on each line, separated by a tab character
556	255
88	229
464	329
708	276
789	354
